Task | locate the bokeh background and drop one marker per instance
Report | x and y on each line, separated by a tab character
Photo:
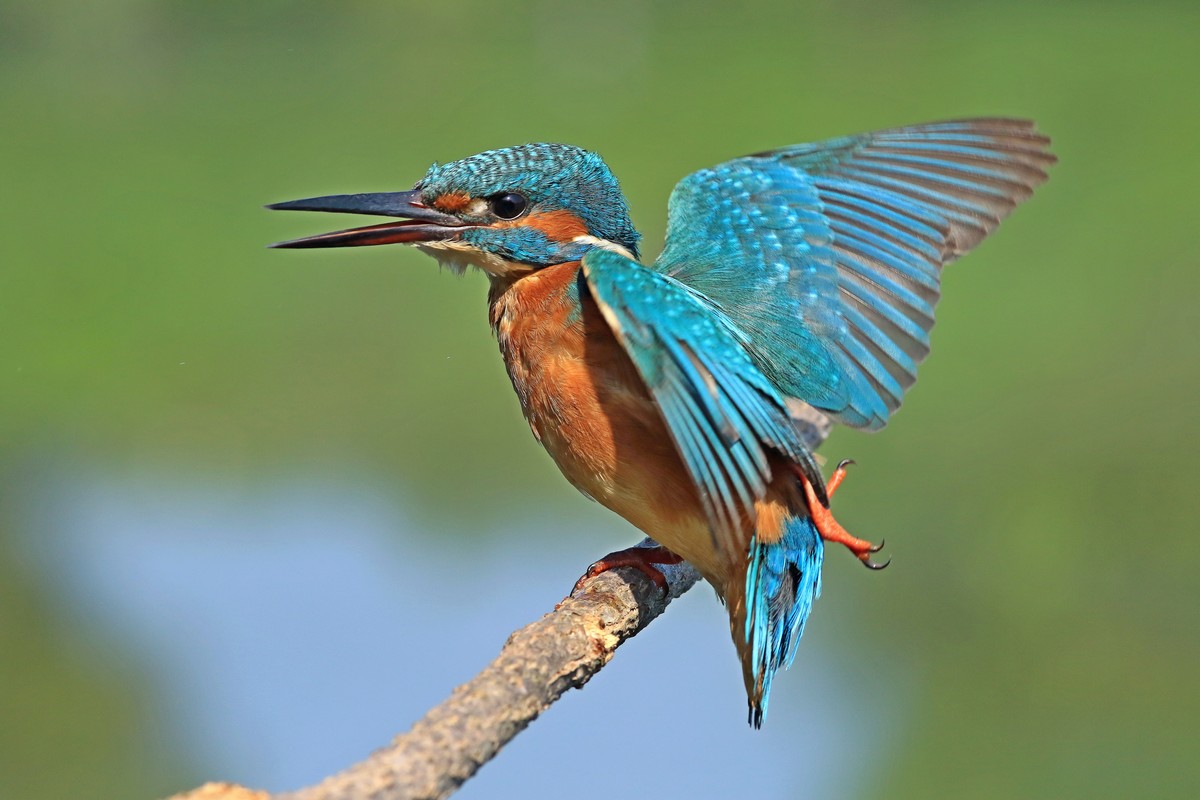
260	509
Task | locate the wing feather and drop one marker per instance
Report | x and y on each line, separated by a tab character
831	253
724	415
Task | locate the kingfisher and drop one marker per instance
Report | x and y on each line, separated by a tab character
796	289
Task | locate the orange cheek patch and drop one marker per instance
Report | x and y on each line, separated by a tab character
452	202
559	226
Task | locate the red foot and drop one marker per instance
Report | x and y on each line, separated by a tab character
643	559
830	529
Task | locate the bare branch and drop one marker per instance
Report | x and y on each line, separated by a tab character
562	650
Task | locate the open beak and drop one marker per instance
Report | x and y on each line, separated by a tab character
419	222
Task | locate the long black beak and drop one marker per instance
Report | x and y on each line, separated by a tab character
420	223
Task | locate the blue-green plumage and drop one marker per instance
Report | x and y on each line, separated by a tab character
793	280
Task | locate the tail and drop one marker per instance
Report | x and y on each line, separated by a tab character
782	580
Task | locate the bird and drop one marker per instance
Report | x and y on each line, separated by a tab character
796	287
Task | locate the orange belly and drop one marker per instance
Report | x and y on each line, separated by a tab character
587	405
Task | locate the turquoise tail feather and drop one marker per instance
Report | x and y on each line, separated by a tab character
783	579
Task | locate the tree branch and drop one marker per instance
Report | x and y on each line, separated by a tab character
562	650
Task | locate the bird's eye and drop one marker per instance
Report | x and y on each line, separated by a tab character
509	205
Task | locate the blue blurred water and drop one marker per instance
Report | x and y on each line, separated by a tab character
290	629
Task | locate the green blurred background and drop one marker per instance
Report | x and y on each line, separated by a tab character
1038	491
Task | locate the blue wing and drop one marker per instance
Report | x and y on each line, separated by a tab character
830	254
724	415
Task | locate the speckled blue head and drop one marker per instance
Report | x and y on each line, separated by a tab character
553	177
506	211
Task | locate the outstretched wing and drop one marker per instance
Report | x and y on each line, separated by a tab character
830	254
723	413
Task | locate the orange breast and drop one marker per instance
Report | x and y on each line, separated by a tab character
586	403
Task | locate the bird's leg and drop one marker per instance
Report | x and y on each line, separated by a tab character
643	559
829	528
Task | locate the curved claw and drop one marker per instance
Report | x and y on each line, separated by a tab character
644	559
839	475
875	548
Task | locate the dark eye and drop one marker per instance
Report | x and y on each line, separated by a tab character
509	205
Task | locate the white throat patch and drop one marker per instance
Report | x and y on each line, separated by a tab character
457	256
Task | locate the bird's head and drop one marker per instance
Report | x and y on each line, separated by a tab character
505	211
